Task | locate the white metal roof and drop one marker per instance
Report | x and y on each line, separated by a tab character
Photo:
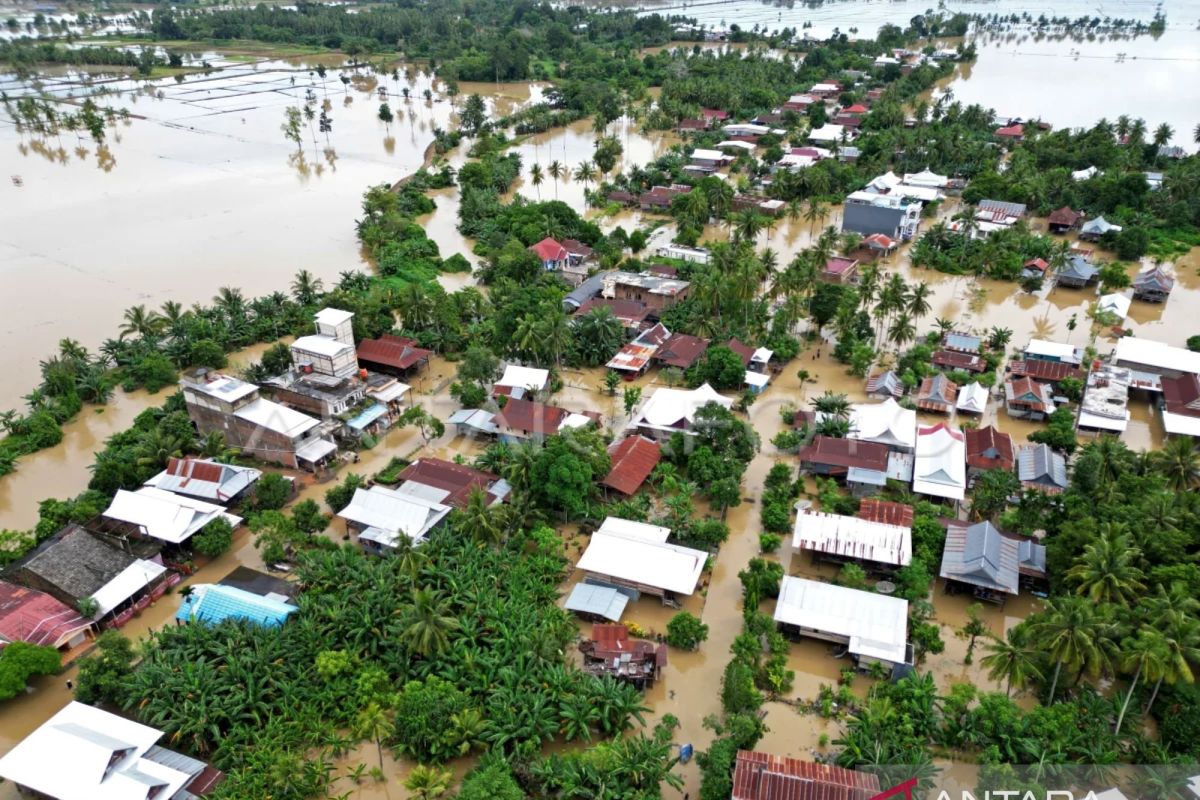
886	423
83	753
634	530
321	345
315	450
1047	349
740	145
393	391
667	566
926	178
826	133
746	128
667	407
1116	304
1099	422
852	537
517	377
756	380
392	513
709	155
940	465
333	316
973	397
761	356
125	584
275	417
164	515
1150	353
874	625
1180	424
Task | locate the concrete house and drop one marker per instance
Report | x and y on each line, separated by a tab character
1025	398
657	292
868	213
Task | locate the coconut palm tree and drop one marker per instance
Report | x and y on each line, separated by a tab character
585	172
1163	134
833	405
1107	571
1011	659
1181	637
1178	462
306	288
428	783
917	299
477	521
374	723
140	322
745	225
427	625
1146	654
814	212
555	171
536	177
902	330
1072	634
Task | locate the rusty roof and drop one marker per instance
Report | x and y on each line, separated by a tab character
886	511
988	448
532	417
681	350
27	615
457	479
633	459
397	352
745	351
627	311
846	453
956	360
1048	371
764	776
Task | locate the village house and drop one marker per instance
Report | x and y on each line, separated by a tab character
655	291
972	398
1055	352
893	216
631	460
713	159
691	125
669	411
1043	468
569	258
832	538
863	465
393	355
980	560
962	342
518	382
879	245
940	468
1115	305
892	184
83	753
937	394
830	134
839	269
799	103
89	574
1093	229
1063	220
1181	404
380	516
213	603
659	197
451	484
1011	133
1153	286
955	359
680	351
1034	268
887	423
885	511
1025	398
27	615
763	776
826	90
1105	405
612	652
995	215
748	129
884	385
988	448
872	627
595	602
633	555
521	420
762	206
694	255
205	479
1077	273
1150	361
258	427
634	357
168	518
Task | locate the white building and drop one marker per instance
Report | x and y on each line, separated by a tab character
519	382
1054	351
873	627
1150	359
668	411
940	469
205	479
331	350
638	556
163	515
972	398
1105	405
851	538
83	753
381	516
886	423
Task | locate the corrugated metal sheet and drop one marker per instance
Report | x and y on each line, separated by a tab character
763	776
633	459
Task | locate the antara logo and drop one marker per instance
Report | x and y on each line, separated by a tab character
907	788
904	790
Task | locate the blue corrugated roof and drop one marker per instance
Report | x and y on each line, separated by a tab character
215	604
368	416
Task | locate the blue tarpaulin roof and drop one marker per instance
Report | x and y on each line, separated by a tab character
368	416
215	604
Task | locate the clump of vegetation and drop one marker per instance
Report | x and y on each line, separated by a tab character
686	631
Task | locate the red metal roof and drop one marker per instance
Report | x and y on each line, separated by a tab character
857	108
956	360
886	511
1037	263
610	635
195	470
1011	130
744	350
764	776
633	459
549	250
531	417
1064	216
628	311
988	448
840	265
27	615
846	453
397	352
714	113
1047	371
457	479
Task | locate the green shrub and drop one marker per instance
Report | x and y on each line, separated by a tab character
214	538
686	631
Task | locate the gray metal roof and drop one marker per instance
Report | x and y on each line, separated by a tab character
1032	555
603	601
1040	464
1079	267
963	341
1099	225
585	291
981	556
1015	209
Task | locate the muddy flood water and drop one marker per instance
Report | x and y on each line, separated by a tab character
201	190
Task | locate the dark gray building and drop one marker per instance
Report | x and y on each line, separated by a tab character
894	216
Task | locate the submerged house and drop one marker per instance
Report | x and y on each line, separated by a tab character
872	627
393	355
680	351
633	555
612	652
989	448
569	258
668	411
887	423
27	615
972	399
1153	286
863	465
634	357
380	516
957	359
1077	273
1042	468
937	393
84	753
883	385
156	514
522	420
212	604
518	382
891	215
632	461
1093	229
979	560
764	776
1025	398
1064	219
449	483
